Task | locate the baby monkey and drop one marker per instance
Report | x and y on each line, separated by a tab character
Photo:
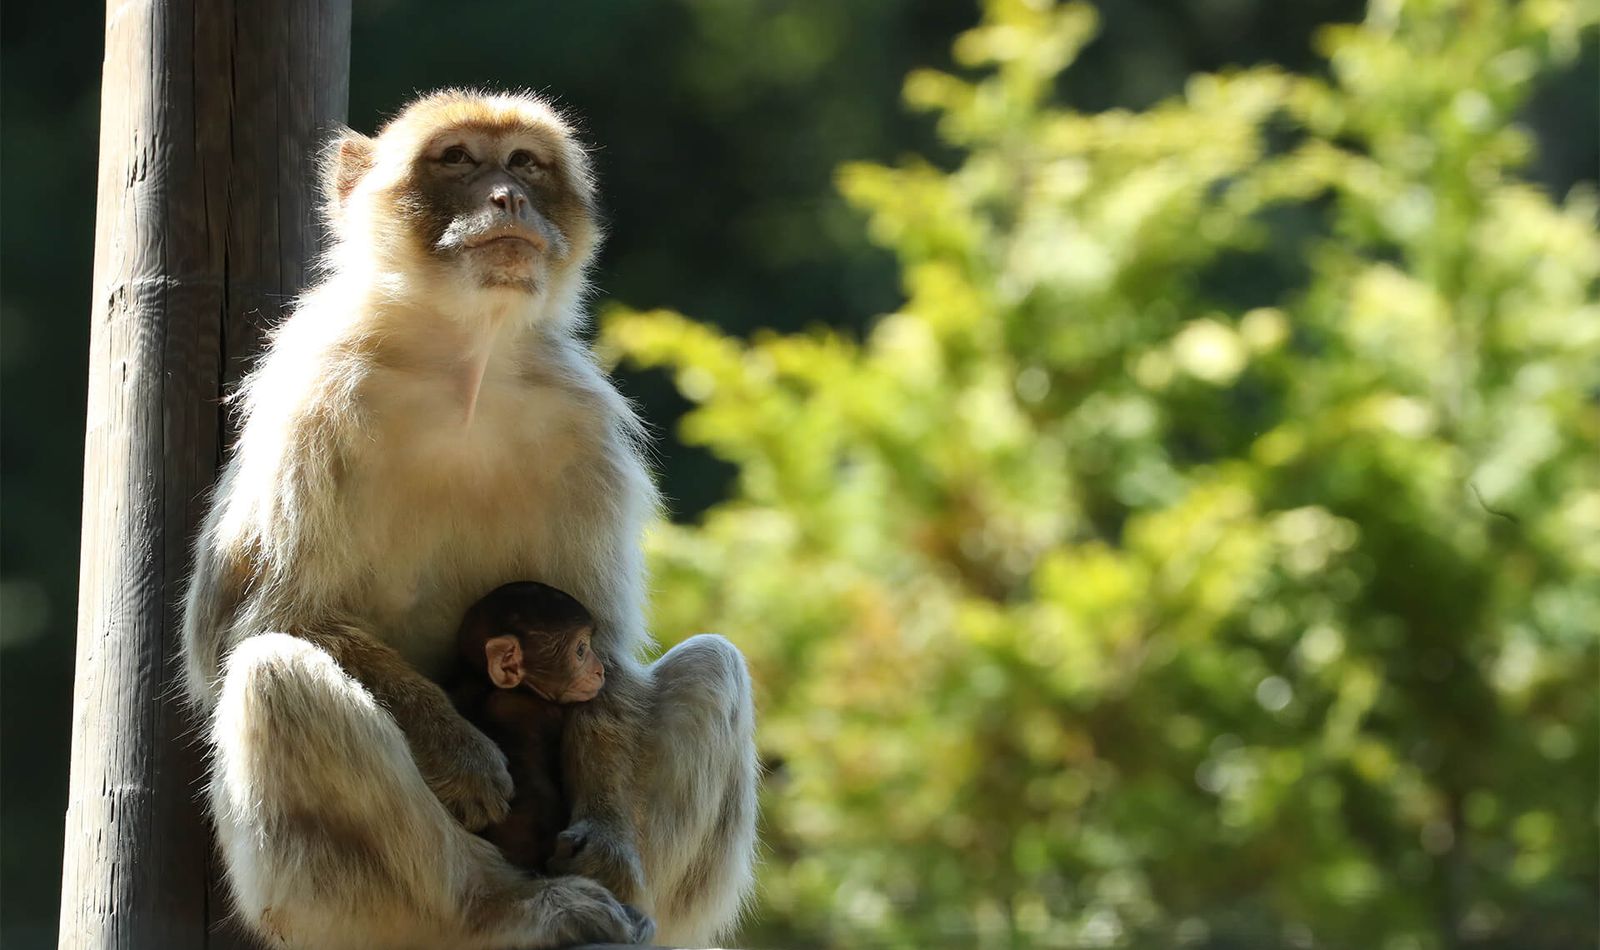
527	653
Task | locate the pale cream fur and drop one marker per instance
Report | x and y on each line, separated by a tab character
410	441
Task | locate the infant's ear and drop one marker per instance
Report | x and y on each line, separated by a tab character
504	654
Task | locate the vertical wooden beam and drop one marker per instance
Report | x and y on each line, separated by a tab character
211	114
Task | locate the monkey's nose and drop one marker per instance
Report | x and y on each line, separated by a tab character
507	200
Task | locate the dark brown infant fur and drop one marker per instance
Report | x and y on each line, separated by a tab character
528	729
526	720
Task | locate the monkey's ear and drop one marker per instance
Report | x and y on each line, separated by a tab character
504	654
346	162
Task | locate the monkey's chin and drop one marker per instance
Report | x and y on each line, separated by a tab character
528	285
507	263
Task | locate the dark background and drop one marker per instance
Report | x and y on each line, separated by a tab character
718	127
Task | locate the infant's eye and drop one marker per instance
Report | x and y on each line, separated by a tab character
582	649
456	155
521	158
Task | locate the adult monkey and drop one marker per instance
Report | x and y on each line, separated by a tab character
425	427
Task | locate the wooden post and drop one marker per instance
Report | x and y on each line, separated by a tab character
211	115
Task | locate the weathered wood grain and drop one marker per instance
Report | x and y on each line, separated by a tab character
211	113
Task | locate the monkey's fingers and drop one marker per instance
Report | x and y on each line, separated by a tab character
474	784
568	844
644	929
473	804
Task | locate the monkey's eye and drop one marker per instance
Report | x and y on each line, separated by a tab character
522	158
456	155
582	649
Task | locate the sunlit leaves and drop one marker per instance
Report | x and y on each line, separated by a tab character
1101	594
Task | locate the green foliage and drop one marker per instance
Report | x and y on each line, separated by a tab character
1092	600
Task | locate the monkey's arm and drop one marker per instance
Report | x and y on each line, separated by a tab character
463	766
218	589
209	608
609	501
599	752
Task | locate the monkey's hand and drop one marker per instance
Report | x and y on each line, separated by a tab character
466	770
603	852
575	911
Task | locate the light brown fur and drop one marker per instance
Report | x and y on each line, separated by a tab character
414	438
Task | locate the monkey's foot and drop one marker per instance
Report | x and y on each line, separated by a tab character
572	910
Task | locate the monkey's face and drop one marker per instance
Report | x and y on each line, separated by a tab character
588	675
492	205
465	195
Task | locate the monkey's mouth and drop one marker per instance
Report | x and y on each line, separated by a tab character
506	237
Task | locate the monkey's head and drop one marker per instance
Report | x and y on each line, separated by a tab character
533	636
482	200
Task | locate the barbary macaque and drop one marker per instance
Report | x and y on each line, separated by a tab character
527	652
428	424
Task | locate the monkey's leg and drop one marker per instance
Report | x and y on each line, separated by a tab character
332	839
697	781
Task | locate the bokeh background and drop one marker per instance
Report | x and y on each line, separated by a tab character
1150	454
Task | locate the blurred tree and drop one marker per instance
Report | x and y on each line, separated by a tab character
1204	552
